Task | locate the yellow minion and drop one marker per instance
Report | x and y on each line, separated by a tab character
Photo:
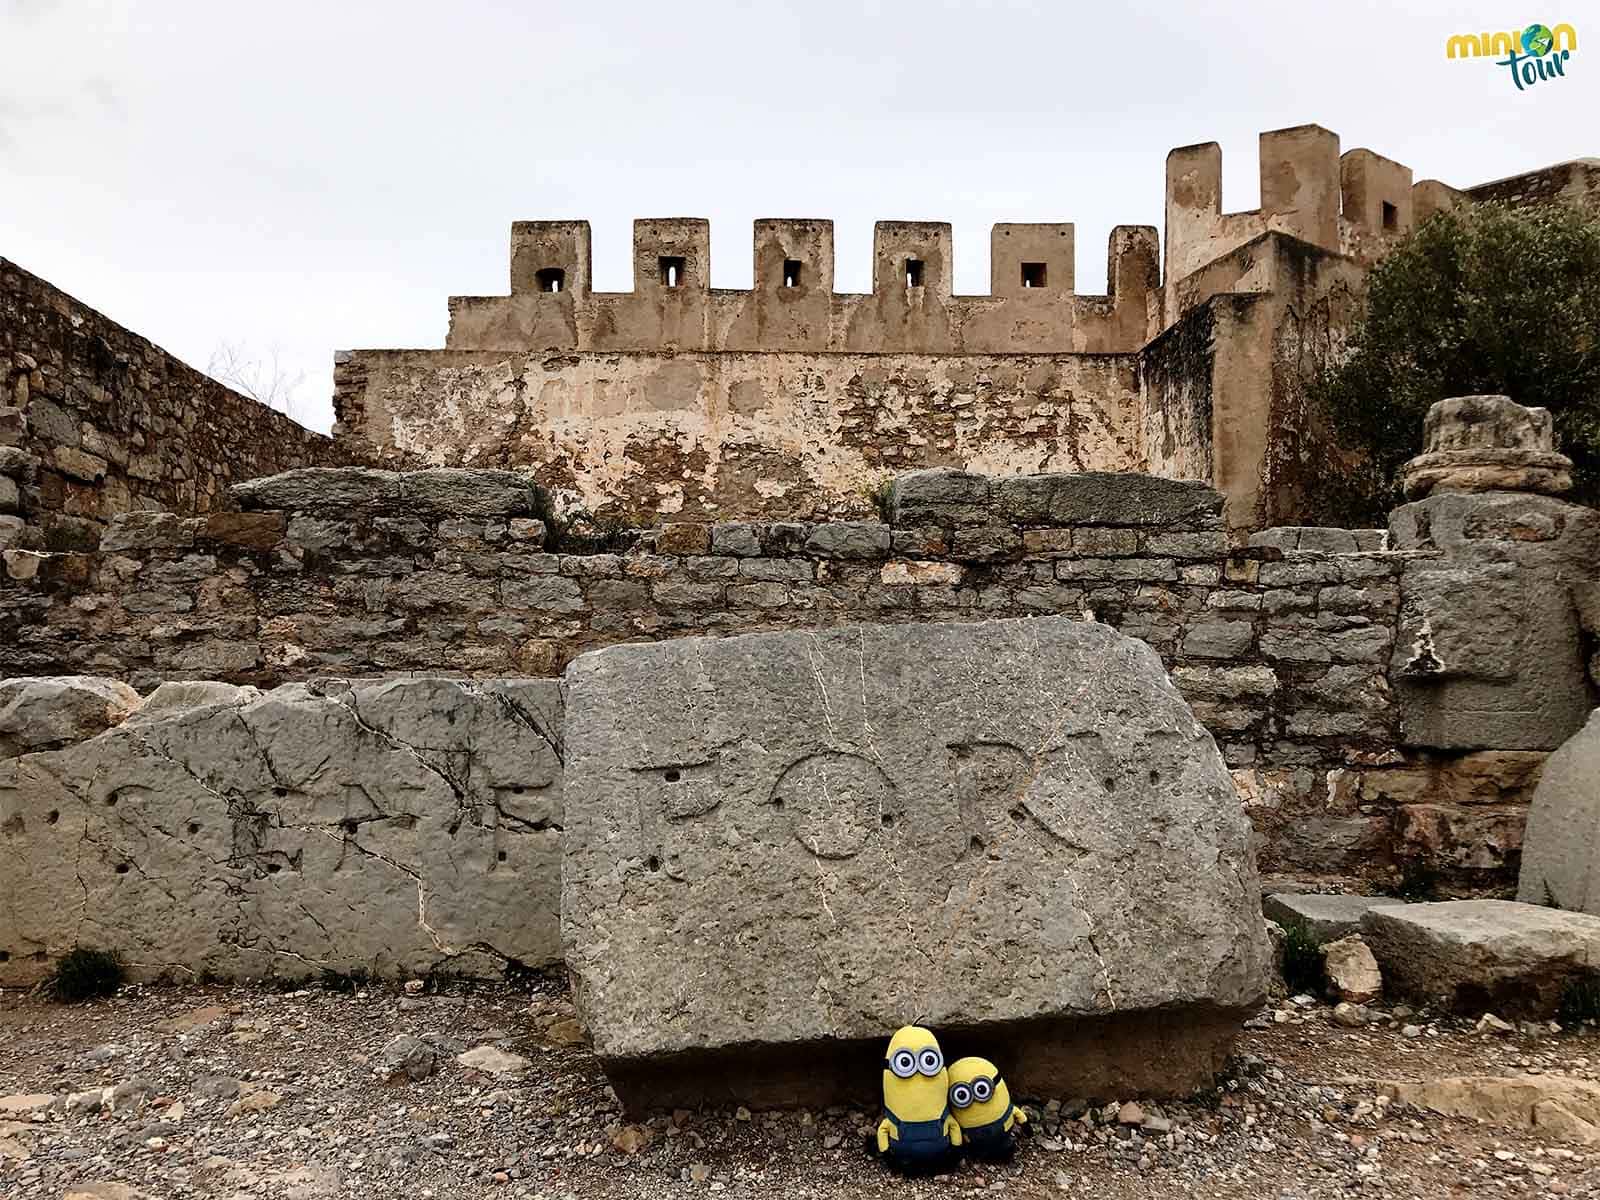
917	1129
982	1105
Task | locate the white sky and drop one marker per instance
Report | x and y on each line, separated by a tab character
319	176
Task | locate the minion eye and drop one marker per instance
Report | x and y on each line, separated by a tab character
903	1064
982	1089
961	1095
930	1061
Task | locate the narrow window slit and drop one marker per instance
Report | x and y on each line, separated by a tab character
672	271
551	279
1391	216
791	273
1033	275
913	272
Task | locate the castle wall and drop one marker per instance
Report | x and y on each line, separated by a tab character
1573	184
1282	647
1033	306
792	436
96	421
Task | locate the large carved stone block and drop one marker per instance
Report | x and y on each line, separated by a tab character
1561	846
395	828
779	847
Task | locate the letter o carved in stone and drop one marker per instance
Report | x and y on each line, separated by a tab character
832	801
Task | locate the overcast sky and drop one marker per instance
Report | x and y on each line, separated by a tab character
310	177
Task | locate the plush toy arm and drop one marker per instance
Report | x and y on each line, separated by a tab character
886	1130
952	1130
1018	1117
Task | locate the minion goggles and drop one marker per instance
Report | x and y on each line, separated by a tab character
906	1063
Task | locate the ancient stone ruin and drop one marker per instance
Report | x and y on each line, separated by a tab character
922	656
779	845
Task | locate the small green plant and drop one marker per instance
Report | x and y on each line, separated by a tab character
1303	969
577	530
85	973
880	495
1580	999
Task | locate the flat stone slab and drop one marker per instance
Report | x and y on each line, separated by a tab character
782	846
1483	955
1561	845
1327	917
431	494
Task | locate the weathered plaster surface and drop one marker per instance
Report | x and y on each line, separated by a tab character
793	435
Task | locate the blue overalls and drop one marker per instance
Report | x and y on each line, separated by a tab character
919	1141
991	1139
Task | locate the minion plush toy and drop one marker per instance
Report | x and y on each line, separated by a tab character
982	1105
917	1131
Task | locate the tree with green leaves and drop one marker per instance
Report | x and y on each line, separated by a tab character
1484	299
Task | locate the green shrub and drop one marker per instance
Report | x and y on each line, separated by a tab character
880	495
1580	999
87	974
1482	299
1303	969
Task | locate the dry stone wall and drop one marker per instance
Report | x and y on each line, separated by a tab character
96	421
1281	647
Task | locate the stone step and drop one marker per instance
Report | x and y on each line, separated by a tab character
1484	955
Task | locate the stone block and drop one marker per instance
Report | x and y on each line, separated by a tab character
148	531
734	804
1224	683
849	539
13	425
249	531
1218	639
737	538
47	712
938	497
552	593
527	529
1187	545
75	464
415	826
437	493
1103	498
10	495
1483	955
683	537
1561	846
18	464
1326	917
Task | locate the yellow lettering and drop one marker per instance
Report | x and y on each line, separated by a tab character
1505	43
1462	45
1572	37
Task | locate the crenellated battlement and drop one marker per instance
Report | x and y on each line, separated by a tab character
1356	204
1032	307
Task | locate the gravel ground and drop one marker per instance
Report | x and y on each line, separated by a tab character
248	1092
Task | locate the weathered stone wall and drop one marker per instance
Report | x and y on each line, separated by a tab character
695	435
396	828
1281	647
1573	184
95	421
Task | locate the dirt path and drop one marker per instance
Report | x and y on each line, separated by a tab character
246	1092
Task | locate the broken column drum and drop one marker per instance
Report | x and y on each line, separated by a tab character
780	847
